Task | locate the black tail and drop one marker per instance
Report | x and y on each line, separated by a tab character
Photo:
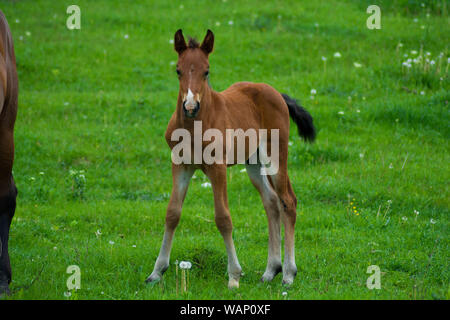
302	119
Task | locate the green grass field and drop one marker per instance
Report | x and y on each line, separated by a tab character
95	103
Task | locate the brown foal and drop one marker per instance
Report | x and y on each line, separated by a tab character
8	111
244	106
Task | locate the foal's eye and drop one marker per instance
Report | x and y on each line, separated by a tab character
206	73
178	72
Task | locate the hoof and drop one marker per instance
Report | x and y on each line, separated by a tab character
267	277
153	278
233	284
288	282
269	274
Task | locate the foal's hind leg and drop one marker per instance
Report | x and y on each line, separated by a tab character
181	176
218	176
288	200
271	205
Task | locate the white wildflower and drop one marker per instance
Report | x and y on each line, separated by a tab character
337	55
357	64
313	91
185	265
206	185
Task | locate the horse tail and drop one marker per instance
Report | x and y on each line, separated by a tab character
302	119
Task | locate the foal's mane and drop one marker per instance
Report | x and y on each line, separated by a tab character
193	43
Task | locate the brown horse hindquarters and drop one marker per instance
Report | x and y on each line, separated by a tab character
8	103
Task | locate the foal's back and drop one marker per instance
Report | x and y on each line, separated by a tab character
258	103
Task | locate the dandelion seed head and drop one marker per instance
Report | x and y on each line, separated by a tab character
185	265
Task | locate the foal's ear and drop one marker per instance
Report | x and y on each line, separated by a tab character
208	42
179	42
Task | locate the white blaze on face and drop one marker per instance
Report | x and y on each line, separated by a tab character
190	100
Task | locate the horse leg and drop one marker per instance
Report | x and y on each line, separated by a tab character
271	205
218	176
7	209
181	176
288	200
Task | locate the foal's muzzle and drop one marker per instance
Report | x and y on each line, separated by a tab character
190	110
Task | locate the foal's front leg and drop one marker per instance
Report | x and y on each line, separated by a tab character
218	176
181	176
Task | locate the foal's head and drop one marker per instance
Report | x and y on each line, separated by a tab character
193	70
